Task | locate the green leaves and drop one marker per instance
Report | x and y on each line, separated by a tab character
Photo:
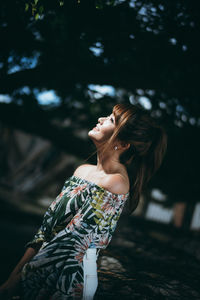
26	6
37	7
41	9
36	10
37	16
98	4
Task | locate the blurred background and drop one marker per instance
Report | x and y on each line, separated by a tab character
64	64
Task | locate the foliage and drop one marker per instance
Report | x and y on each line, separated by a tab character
37	6
144	49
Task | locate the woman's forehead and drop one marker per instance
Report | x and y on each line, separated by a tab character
111	115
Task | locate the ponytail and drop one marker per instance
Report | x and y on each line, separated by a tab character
142	168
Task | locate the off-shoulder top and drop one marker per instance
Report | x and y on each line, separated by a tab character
84	215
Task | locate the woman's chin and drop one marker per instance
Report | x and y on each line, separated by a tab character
90	134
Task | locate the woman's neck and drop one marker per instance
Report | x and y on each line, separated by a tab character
108	163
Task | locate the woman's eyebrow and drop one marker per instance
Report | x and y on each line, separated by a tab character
111	116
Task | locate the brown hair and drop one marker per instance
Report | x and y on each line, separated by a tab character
148	144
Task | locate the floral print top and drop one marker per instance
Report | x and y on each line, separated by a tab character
83	215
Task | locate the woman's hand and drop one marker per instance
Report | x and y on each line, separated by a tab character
10	287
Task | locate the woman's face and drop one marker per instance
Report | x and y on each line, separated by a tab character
103	129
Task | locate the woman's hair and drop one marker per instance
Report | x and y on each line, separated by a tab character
148	144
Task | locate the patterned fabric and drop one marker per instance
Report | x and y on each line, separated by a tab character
83	215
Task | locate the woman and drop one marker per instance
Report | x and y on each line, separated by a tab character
130	148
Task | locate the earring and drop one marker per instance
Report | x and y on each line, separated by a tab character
116	148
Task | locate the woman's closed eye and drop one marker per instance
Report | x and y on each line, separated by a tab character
111	118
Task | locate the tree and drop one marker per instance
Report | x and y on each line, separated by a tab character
142	48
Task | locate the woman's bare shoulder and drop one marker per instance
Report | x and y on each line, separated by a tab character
83	168
116	183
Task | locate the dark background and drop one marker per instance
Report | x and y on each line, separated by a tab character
144	52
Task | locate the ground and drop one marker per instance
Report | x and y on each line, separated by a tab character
144	261
149	261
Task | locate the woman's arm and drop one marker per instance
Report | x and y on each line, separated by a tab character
29	253
8	288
